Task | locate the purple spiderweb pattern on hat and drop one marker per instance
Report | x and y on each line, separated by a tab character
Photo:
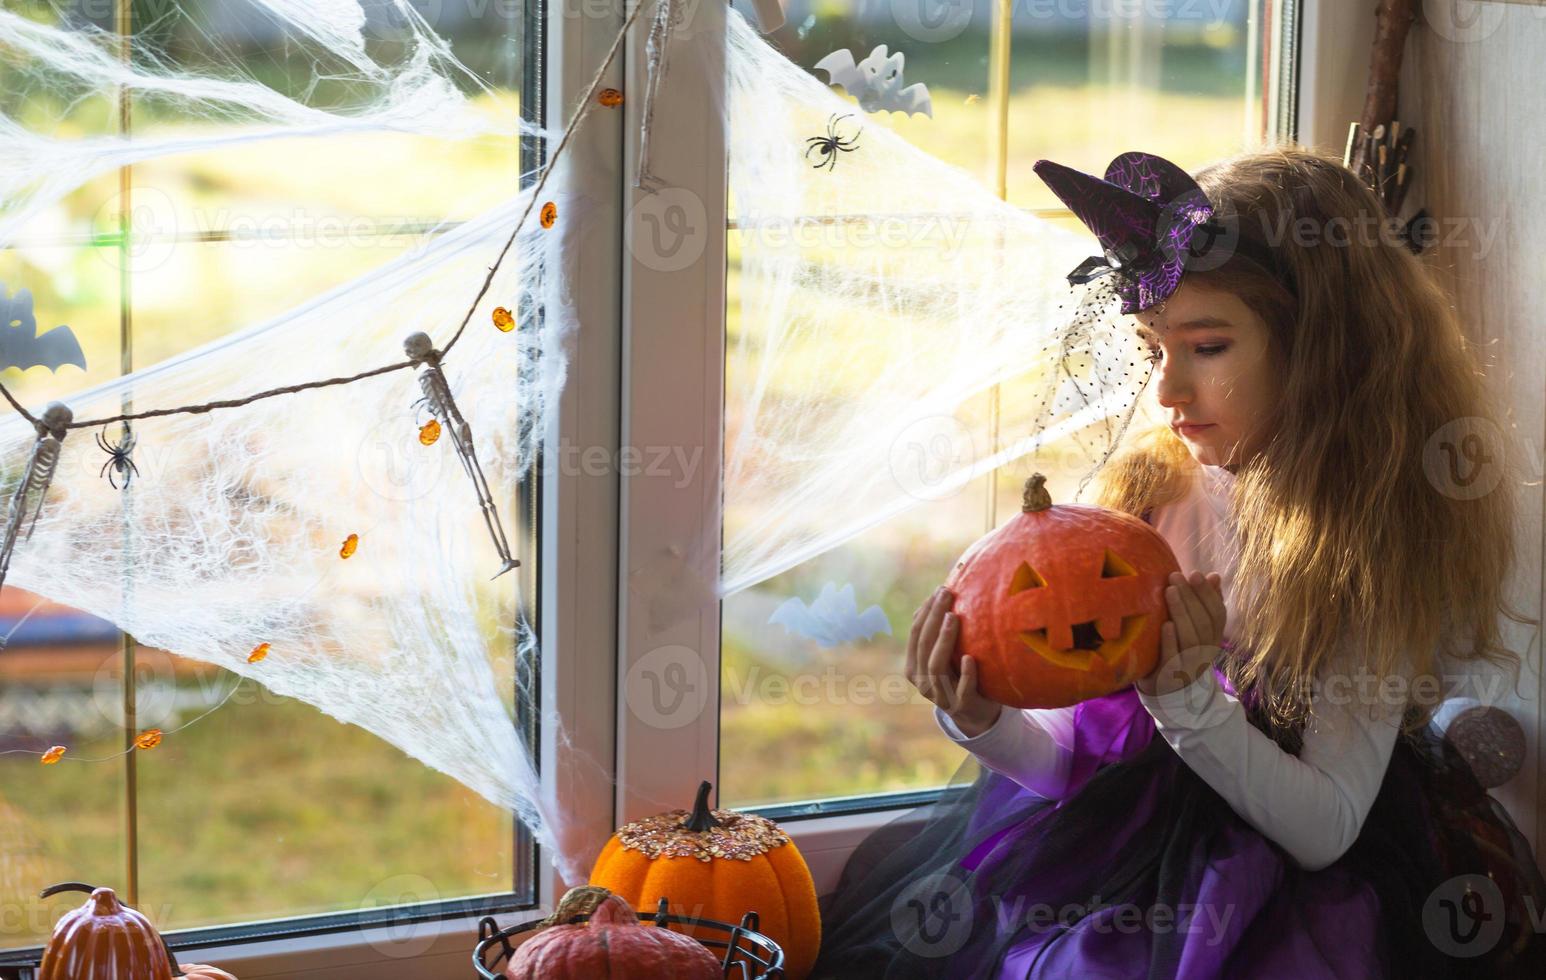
1145	214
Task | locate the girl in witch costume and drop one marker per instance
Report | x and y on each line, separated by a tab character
1275	799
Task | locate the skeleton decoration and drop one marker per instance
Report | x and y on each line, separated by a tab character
877	81
33	485
437	399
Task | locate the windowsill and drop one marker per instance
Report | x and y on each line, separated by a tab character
434	950
417	951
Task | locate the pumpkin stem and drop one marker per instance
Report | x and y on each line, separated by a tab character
577	901
701	818
1036	496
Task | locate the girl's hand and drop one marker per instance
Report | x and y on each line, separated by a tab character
930	648
1190	640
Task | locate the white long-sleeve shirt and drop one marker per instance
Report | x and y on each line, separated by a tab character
1312	806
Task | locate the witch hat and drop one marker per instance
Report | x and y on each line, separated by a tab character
1152	221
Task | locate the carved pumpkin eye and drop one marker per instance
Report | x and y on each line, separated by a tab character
1025	577
1115	567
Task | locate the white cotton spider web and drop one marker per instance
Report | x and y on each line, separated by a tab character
229	536
882	298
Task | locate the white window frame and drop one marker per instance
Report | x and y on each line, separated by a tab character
676	317
578	541
646	370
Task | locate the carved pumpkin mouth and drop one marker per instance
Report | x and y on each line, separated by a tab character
1088	644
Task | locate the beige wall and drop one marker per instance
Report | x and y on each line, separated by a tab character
1472	84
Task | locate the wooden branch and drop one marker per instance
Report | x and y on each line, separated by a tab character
1393	19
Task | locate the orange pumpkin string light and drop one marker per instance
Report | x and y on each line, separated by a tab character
258	653
503	320
148	739
53	755
429	432
549	214
610	97
350	544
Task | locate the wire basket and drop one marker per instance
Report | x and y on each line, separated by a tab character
745	953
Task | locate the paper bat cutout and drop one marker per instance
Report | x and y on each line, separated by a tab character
877	82
20	345
834	617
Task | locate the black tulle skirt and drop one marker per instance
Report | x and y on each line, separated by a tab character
1140	869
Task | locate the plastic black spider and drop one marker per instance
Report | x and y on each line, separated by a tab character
830	144
118	458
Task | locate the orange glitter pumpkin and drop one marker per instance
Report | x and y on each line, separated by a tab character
718	865
1063	603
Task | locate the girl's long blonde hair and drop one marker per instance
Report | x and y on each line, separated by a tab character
1352	528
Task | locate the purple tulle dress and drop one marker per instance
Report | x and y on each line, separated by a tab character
1140	869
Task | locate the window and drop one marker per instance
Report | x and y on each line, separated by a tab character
1070	82
266	817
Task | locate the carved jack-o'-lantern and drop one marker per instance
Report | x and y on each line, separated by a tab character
1063	603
